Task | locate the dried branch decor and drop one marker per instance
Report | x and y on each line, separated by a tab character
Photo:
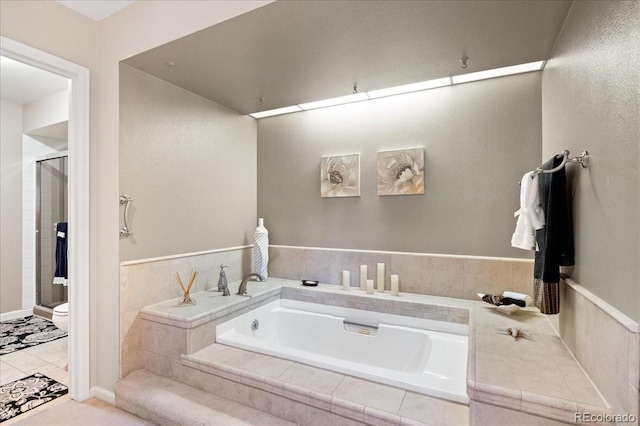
187	300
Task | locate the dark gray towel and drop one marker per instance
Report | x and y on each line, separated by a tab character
555	240
61	252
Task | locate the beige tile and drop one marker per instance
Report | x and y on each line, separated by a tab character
312	378
375	417
287	263
556	408
434	411
290	410
318	417
486	276
56	373
348	409
531	373
633	402
408	268
522	277
496	369
10	374
581	386
486	414
634	358
603	353
443	276
164	339
508	346
265	365
375	395
25	362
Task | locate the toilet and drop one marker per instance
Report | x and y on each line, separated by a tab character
60	316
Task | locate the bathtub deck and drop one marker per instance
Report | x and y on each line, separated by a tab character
524	382
323	391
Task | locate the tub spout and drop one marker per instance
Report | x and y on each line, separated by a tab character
242	290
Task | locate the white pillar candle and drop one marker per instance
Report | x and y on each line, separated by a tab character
369	286
395	289
346	280
380	277
363	277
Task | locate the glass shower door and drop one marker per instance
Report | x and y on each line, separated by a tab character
52	201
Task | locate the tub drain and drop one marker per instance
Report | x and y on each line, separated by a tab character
255	324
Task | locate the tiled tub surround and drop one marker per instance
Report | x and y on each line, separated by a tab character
606	343
420	273
530	382
150	281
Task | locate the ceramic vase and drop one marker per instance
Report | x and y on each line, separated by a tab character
261	249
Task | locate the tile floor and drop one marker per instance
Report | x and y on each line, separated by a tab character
49	359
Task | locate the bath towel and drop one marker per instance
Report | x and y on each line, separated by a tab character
530	215
60	276
555	239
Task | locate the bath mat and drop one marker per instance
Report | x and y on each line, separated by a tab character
25	394
27	332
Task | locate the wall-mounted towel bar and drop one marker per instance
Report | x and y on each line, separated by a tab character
126	230
583	160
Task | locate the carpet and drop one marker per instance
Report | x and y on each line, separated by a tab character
25	394
27	332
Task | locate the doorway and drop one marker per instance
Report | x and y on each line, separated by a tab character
78	206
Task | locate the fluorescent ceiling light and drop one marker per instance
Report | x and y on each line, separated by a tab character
498	72
335	101
277	111
407	88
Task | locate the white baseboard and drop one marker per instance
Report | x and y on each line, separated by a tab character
16	314
103	394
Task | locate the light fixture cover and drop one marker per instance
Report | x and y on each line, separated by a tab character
498	72
407	88
335	101
277	111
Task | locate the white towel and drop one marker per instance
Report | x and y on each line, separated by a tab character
530	215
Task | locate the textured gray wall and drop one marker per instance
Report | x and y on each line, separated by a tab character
591	101
190	166
11	207
479	139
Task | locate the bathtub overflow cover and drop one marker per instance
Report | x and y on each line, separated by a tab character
255	324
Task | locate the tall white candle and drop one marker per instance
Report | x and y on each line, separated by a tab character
346	280
395	289
363	277
369	286
380	277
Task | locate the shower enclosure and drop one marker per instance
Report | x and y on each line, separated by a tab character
51	208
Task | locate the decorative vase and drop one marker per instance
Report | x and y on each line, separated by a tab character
261	249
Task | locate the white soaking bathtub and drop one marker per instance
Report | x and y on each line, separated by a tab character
419	355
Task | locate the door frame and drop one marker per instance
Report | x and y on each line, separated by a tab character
78	186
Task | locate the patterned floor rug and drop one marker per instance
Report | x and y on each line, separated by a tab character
25	394
26	332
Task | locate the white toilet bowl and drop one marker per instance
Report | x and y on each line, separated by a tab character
60	316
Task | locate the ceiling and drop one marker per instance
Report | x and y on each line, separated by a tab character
96	9
291	52
23	84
